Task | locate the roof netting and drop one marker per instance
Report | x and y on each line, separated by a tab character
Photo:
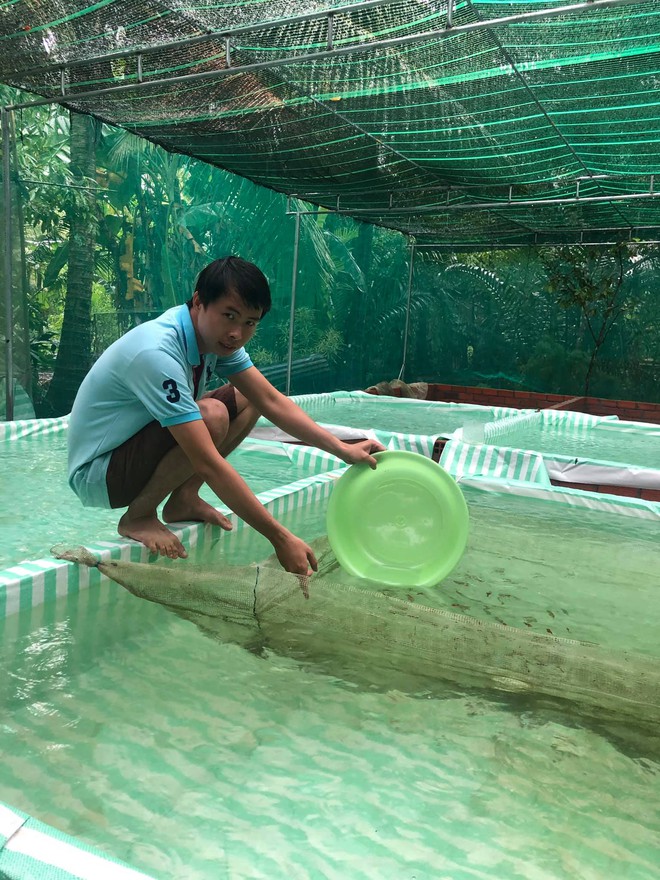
487	122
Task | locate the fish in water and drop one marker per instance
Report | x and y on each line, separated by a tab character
366	636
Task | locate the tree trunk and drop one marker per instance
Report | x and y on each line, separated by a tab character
20	362
590	368
74	355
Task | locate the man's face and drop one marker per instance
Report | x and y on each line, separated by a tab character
225	325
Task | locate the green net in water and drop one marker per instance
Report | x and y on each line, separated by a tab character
368	637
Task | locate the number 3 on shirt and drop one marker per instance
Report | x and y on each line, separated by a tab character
173	394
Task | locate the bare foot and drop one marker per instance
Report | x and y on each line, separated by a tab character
151	532
194	509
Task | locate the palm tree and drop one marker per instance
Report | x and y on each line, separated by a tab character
74	352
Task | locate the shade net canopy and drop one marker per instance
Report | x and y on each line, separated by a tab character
476	124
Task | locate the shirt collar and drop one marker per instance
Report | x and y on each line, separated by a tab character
189	336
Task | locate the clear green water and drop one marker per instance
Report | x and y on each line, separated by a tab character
568	572
189	758
40	510
410	417
196	760
601	442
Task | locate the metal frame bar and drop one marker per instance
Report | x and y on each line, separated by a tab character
630	232
467	187
494	246
471	206
8	268
292	312
538	241
409	297
377	45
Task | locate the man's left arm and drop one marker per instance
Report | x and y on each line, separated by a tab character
284	413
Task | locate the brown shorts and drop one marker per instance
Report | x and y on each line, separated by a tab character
132	464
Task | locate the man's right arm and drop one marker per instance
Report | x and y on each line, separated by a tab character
194	439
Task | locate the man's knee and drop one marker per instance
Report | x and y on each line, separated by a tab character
216	418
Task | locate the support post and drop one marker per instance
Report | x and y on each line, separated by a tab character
292	313
8	273
405	336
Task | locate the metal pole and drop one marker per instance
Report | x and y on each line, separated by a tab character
9	305
405	336
443	208
466	187
459	247
292	313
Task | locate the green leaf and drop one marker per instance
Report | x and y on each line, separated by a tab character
113	224
56	264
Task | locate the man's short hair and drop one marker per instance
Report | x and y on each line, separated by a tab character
234	275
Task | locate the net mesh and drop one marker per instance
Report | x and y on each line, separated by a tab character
448	123
375	639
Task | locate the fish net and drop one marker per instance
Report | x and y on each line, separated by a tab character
364	636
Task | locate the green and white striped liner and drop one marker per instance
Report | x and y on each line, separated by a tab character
504	426
311	402
32	583
501	463
500	412
461	459
570	419
44	580
615	504
311	460
285	499
564	419
329	397
23	428
31	850
420	443
317	462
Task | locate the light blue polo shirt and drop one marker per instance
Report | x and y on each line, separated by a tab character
145	375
